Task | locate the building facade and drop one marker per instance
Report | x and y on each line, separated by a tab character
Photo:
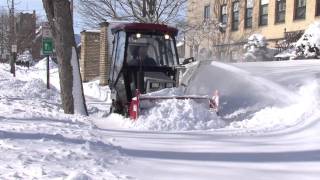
238	19
25	31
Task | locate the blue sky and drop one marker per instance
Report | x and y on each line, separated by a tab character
30	5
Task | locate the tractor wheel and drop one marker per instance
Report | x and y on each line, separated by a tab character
118	108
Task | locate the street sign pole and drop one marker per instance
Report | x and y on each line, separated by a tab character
48	73
14	51
47	47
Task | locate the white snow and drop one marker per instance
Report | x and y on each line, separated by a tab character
178	115
268	128
76	88
310	38
256	49
38	141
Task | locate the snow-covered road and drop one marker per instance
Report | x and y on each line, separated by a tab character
276	138
270	130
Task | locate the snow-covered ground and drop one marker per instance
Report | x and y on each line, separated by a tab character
38	141
268	128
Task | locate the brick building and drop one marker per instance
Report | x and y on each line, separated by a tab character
275	19
25	31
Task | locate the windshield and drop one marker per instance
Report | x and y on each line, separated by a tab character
151	50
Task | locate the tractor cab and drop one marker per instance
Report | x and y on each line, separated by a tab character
144	58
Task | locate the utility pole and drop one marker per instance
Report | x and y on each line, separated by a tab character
13	44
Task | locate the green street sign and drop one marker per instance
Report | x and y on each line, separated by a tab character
47	46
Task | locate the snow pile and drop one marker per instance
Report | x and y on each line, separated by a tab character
279	117
36	88
256	48
178	115
308	46
93	89
32	89
42	64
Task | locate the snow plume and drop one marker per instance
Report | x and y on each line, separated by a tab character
178	115
238	89
277	118
79	106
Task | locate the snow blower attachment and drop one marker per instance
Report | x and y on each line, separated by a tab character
144	60
141	102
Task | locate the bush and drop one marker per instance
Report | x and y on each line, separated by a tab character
256	49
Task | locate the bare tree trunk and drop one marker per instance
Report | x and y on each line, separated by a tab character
60	20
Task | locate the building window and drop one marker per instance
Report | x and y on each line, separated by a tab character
280	11
224	14
318	8
249	9
263	12
235	15
300	9
206	15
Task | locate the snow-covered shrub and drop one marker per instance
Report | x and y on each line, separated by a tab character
25	58
308	45
256	49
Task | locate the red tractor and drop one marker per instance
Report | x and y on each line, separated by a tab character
144	60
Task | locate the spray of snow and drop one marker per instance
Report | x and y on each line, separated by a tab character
79	105
178	115
169	115
275	117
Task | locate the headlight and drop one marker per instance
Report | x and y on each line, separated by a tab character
154	85
169	85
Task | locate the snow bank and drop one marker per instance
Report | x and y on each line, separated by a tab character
42	64
93	89
38	89
39	141
32	89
